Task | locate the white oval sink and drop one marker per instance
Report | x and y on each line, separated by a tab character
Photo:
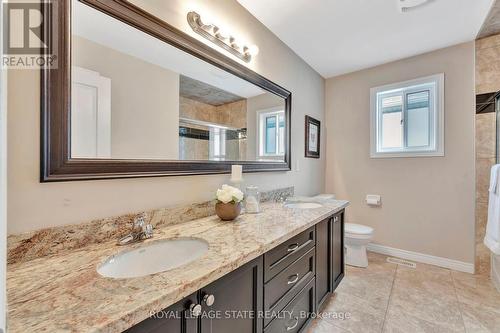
303	205
153	258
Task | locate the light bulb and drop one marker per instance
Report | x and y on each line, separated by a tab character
253	50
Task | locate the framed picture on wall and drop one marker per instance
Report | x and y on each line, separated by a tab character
313	135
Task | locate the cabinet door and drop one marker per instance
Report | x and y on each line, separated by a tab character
337	273
237	301
323	260
175	319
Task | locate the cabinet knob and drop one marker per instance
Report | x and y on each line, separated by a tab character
195	310
209	299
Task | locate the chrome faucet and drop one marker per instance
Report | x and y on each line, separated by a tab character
140	231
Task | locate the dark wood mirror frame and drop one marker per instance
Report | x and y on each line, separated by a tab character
56	162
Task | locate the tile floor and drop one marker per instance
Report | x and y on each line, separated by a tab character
389	298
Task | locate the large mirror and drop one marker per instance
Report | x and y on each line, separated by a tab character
141	96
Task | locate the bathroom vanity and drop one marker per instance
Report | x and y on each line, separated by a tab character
276	268
276	292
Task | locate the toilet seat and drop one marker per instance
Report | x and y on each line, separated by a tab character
358	231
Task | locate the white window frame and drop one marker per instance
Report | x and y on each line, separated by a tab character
260	132
436	129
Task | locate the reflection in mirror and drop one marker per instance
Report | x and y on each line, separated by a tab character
136	97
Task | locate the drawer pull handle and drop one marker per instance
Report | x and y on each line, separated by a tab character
209	299
294	280
195	310
289	328
293	247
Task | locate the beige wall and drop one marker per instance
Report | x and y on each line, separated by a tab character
487	81
144	101
427	203
33	205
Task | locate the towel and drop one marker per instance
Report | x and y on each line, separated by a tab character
492	237
494	178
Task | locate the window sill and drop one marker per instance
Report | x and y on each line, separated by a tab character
407	154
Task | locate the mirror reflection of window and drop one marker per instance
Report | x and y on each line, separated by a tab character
217	144
271	140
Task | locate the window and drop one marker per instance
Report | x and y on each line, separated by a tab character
217	144
407	119
271	129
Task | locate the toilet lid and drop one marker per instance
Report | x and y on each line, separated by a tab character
359	229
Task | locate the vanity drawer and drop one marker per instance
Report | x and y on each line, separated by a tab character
284	254
296	314
283	287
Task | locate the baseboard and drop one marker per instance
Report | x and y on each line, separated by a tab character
423	258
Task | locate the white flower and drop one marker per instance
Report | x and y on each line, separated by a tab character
237	195
224	196
228	193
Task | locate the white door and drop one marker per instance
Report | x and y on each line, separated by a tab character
90	114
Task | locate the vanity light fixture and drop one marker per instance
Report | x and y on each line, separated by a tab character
221	37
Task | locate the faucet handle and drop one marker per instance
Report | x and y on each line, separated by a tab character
139	221
148	230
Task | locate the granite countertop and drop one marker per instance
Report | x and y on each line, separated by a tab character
64	293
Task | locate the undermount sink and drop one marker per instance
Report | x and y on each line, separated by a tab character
154	257
303	205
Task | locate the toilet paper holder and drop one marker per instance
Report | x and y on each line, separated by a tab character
373	200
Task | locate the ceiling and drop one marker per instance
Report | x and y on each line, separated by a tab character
205	93
341	36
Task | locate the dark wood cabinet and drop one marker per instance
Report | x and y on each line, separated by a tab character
323	261
337	249
295	317
286	253
237	301
230	304
329	256
293	279
283	287
176	319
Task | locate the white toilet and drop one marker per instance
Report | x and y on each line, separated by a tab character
357	236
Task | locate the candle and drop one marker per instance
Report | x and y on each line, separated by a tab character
236	171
